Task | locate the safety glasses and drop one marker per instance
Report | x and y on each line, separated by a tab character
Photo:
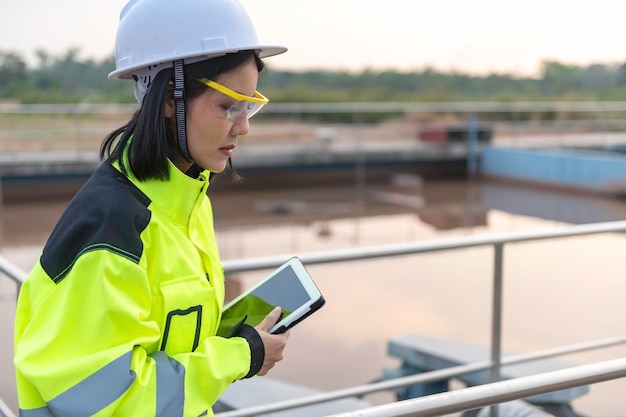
246	106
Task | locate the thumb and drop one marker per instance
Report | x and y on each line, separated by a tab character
270	320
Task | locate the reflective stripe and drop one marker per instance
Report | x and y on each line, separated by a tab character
36	412
170	386
97	391
108	384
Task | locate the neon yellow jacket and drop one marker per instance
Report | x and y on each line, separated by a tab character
118	317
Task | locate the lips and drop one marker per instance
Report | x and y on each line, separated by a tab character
227	150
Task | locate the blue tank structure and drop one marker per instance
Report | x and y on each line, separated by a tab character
599	170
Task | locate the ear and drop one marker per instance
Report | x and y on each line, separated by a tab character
170	104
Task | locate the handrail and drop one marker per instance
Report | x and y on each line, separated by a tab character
496	392
381	251
354	254
12	271
371	252
5	411
416	379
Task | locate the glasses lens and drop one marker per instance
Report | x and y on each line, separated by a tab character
253	108
243	108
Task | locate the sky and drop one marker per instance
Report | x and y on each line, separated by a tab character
470	36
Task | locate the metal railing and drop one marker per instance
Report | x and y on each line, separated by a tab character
508	115
458	400
498	392
5	411
443	374
349	107
497	241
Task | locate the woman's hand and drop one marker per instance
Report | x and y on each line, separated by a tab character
274	343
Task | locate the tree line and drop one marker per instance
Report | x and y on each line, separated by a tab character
67	78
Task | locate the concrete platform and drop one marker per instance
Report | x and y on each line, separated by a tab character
262	390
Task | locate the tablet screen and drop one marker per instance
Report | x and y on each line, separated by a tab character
284	288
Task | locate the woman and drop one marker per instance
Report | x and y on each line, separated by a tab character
119	315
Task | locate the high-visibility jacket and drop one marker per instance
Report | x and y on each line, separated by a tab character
118	317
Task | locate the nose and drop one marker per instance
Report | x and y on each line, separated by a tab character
241	127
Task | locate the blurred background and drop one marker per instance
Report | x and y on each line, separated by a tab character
389	122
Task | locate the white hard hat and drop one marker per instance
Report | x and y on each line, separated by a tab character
154	32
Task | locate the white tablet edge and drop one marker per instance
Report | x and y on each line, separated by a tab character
305	279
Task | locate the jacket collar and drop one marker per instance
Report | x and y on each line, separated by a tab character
176	197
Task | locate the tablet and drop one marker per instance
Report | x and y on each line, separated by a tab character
289	287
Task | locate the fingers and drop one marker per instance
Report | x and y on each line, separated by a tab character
270	320
274	343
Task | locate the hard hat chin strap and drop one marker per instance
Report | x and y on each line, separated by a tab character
178	93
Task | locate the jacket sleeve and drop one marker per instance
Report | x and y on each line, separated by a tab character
83	347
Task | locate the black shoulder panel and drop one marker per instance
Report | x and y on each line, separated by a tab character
108	213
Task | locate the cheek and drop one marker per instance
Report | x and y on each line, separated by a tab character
202	115
207	132
199	121
204	128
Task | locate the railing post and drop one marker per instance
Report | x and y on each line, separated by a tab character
496	319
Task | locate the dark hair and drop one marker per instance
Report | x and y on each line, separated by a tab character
154	137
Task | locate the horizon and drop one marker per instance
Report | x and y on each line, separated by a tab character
451	36
31	65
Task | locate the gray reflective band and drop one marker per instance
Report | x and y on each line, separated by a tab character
109	383
170	386
36	412
95	392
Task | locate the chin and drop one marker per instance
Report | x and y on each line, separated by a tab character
215	168
212	164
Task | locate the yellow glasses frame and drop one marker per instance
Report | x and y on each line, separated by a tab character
254	104
258	97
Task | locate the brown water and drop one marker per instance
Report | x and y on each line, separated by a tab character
556	292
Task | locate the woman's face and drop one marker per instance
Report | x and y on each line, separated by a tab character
211	139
